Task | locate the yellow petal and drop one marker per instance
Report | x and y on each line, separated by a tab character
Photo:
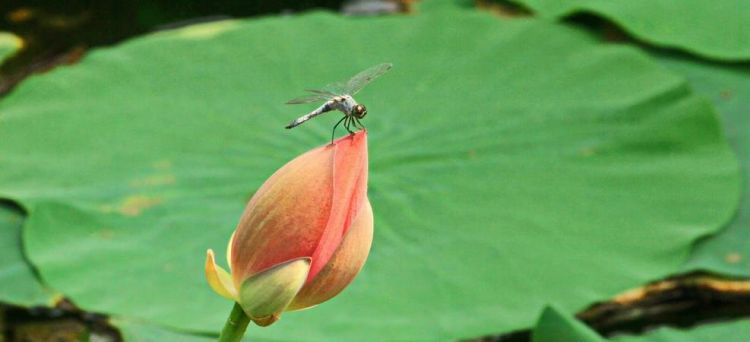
265	295
219	280
229	251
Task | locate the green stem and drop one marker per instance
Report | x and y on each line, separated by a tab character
235	327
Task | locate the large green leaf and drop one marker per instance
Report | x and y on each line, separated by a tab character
728	86
513	164
18	284
736	331
714	29
554	325
135	331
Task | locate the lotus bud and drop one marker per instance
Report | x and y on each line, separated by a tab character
304	235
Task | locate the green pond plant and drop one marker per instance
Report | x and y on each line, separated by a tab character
302	238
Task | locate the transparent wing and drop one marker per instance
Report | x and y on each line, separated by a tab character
360	80
322	92
334	88
353	86
318	96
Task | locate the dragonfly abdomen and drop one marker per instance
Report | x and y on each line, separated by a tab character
326	107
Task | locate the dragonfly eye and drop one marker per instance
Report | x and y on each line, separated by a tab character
360	111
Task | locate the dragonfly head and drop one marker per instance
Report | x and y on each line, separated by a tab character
359	111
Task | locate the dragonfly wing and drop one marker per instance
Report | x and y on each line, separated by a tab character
309	99
322	92
335	88
360	80
354	85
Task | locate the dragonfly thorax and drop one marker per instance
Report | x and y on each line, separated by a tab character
349	106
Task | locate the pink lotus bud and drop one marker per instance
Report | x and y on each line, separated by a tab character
304	235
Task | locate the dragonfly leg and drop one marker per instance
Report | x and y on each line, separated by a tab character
347	124
333	134
358	123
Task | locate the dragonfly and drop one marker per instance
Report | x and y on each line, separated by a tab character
339	96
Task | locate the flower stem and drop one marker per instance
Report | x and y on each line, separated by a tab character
235	327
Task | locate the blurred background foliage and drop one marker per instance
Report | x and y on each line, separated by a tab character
60	32
540	170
